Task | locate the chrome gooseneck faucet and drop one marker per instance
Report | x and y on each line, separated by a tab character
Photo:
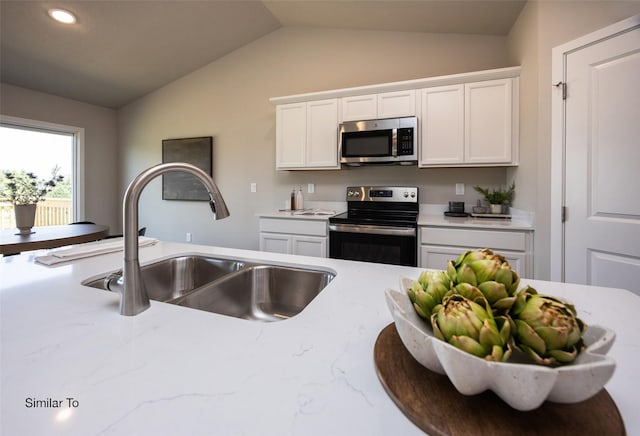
133	293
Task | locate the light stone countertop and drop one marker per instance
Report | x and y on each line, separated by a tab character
174	370
440	220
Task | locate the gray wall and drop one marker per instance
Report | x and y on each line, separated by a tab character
102	203
229	99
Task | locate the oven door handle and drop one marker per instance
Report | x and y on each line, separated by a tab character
373	230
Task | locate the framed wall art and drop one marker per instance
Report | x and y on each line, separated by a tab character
181	185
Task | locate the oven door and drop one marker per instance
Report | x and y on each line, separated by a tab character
395	245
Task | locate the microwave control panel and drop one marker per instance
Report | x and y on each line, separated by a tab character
405	141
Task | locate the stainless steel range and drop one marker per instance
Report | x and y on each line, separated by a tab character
380	225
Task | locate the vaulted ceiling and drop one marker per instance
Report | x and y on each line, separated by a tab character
119	51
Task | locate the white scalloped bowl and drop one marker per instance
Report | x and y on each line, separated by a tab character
522	386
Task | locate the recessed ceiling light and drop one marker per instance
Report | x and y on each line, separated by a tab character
62	16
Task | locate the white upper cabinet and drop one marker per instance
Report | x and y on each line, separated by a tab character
383	105
291	135
469	124
488	122
322	134
307	135
468	119
397	104
359	107
442	125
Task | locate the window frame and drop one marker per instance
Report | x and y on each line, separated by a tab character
77	133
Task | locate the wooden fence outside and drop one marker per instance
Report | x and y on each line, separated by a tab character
51	212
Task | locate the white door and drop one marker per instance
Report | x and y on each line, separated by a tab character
602	160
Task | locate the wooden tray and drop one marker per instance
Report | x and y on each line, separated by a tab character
432	403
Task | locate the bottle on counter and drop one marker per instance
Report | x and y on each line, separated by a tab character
299	199
293	199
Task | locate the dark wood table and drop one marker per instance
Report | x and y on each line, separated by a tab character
50	237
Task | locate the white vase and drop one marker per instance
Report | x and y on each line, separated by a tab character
496	208
25	218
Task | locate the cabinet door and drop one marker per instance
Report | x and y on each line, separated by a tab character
488	121
442	125
397	104
309	246
275	243
322	134
360	107
291	135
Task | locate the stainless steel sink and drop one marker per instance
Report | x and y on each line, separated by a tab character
261	293
171	278
248	290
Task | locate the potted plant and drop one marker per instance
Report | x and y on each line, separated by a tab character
24	190
498	198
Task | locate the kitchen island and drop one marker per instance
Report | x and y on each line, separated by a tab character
70	364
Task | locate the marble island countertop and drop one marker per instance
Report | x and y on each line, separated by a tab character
175	370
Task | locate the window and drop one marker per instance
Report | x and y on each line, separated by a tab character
38	147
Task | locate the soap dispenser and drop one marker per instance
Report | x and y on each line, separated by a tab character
299	199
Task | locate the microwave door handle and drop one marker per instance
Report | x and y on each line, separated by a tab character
394	142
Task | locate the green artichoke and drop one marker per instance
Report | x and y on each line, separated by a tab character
546	329
428	291
472	327
490	273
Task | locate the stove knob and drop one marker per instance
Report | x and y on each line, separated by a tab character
413	195
406	194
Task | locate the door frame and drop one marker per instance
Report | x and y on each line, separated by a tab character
558	76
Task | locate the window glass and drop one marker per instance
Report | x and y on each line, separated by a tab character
39	152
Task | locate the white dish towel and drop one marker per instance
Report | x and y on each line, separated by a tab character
89	249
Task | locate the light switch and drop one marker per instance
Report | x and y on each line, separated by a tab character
459	188
254	187
311	188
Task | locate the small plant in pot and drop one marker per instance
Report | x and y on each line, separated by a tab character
24	190
499	199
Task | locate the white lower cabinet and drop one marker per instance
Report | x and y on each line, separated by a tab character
294	236
438	245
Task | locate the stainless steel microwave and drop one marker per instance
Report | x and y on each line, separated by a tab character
383	141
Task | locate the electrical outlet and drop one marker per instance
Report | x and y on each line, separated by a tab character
459	188
311	188
188	237
254	187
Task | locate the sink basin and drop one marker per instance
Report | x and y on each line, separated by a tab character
247	290
262	293
171	278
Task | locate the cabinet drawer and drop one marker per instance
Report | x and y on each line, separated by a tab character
494	239
293	226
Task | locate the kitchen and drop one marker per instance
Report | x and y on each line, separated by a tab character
229	99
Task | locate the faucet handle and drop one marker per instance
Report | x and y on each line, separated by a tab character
114	282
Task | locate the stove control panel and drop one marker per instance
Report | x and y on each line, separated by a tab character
383	193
